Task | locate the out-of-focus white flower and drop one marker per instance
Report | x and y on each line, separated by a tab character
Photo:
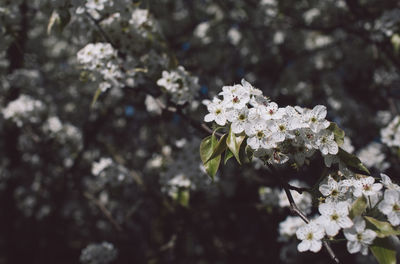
234	35
289	227
99	166
391	134
373	156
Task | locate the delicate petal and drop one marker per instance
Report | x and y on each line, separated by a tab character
326	208
345	222
353	246
304	246
315	245
350	234
332	229
368	236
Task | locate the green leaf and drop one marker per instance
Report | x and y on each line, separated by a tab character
352	162
206	149
358	207
233	142
95	97
219	148
382	229
228	155
384	251
338	133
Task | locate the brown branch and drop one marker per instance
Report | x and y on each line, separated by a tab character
104	210
300	190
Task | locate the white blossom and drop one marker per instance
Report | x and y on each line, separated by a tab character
390	206
311	235
334	216
358	237
366	186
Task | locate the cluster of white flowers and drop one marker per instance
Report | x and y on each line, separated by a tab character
338	198
24	108
102	61
275	134
179	84
391	133
102	253
185	171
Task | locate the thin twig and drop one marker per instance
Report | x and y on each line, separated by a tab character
294	209
102	32
104	210
300	190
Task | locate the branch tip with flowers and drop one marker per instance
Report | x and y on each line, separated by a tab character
256	127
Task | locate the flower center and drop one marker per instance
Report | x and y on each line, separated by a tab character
334	217
218	111
260	134
309	236
242	117
359	236
335	192
236	99
313	119
282	128
396	207
366	187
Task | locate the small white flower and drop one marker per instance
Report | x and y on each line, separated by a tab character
334	216
390	206
273	112
326	143
217	112
311	234
332	190
235	96
366	186
260	136
358	237
315	118
238	119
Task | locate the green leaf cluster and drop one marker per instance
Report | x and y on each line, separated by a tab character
211	150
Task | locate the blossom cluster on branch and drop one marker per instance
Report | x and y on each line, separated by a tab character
347	199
